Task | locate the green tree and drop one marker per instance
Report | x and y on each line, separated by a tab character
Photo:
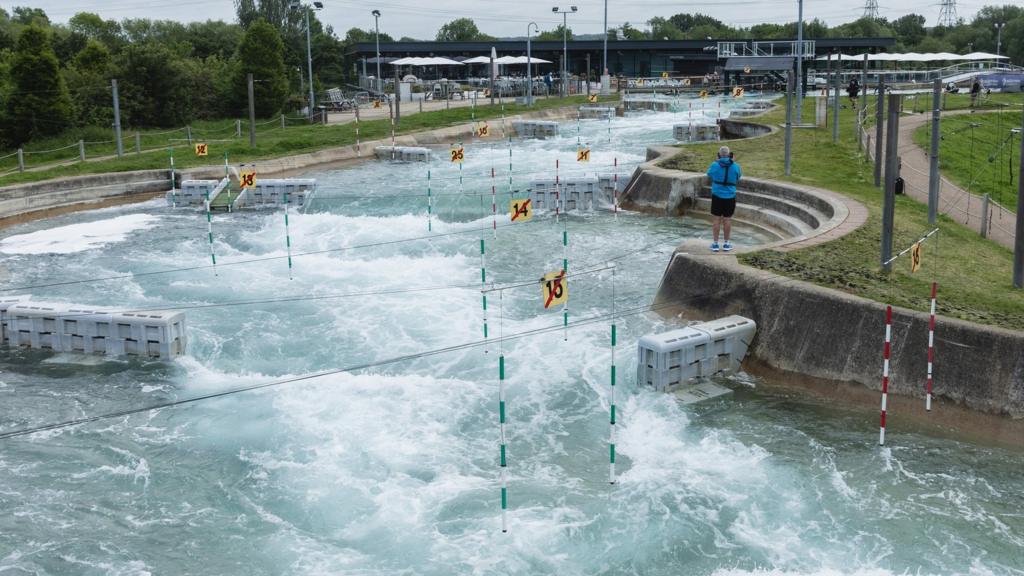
556	34
261	54
150	87
40	104
663	29
92	27
461	30
909	30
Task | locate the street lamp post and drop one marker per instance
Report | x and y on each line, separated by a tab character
800	63
376	28
296	4
999	36
565	46
529	64
604	58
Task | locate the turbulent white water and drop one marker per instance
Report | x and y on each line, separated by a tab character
393	469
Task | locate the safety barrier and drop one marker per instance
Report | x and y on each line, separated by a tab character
402	153
671	359
598	112
276	192
69	328
536	128
696	132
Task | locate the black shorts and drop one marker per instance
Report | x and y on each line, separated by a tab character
723	207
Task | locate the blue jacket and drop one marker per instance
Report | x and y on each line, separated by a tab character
724	175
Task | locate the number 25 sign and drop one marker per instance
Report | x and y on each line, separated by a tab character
458	154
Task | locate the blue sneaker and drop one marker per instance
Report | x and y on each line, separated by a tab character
727	247
714	246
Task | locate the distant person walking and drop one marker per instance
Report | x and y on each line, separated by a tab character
548	81
853	90
724	173
975	92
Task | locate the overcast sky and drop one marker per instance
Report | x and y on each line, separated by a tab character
421	18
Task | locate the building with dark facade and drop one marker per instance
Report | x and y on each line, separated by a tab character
630	58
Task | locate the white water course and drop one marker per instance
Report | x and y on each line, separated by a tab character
394	468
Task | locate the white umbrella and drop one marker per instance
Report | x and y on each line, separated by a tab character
477	60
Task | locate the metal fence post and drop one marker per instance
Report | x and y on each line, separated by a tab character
891	167
138	143
984	215
879	126
188	134
81	150
933	161
21	160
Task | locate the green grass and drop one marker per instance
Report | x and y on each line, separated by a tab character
983	159
271	141
974	275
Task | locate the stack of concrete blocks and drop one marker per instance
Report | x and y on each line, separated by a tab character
696	132
600	112
540	129
608	186
402	153
668	360
64	328
649	104
271	192
569	194
196	192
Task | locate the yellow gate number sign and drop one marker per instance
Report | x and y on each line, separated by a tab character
483	130
202	149
746	69
554	288
703	93
664	74
458	154
915	257
520	209
583	155
247	179
592	98
737	92
376	103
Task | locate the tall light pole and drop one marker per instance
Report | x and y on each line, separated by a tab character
376	28
604	58
296	5
800	63
565	46
529	64
999	36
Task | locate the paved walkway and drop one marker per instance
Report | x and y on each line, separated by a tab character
954	201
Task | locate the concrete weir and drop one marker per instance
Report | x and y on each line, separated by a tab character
814	331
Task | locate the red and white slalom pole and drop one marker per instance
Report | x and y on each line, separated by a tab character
931	351
558	196
885	371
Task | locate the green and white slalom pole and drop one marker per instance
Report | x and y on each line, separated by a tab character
494	198
287	235
610	126
483	263
430	203
503	464
611	434
227	175
503	131
510	167
565	272
174	186
209	233
577	128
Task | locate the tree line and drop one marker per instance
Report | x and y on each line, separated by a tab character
57	76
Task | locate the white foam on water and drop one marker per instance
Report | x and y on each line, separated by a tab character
77	237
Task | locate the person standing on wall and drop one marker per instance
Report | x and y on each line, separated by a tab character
975	91
724	173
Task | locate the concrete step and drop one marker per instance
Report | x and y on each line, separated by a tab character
783	224
805	213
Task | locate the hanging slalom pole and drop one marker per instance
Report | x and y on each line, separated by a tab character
503	463
885	372
611	434
577	128
287	235
558	188
510	167
430	204
209	234
615	187
227	176
931	351
565	273
494	199
174	185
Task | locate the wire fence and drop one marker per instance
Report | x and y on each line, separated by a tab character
135	143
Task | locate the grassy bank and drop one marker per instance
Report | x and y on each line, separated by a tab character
974	275
979	152
272	141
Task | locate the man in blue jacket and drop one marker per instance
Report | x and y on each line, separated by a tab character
724	173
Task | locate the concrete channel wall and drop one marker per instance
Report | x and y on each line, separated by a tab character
86	191
835	336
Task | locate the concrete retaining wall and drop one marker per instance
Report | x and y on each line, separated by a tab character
831	335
